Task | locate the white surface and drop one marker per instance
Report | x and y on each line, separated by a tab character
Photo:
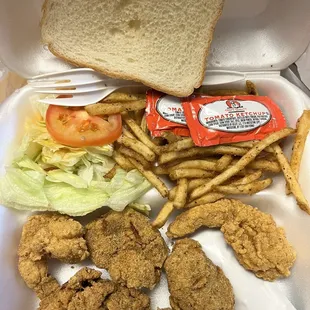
303	64
251	293
250	35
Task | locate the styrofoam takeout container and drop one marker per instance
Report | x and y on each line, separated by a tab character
263	36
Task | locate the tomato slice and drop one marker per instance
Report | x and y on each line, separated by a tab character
75	127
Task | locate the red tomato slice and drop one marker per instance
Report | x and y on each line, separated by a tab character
75	127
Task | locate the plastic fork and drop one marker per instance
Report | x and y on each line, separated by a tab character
76	87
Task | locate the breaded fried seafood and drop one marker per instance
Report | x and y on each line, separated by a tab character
44	236
87	291
126	244
259	245
194	281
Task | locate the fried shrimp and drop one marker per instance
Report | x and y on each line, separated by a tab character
259	245
44	236
86	290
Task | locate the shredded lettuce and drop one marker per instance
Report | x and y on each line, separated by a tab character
46	175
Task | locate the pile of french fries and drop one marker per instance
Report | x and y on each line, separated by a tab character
202	174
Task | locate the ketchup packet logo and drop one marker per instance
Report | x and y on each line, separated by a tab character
165	113
234	105
230	119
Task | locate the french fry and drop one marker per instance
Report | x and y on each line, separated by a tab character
122	161
172	193
223	162
140	134
191	185
138	115
210	164
226	92
144	124
170	136
151	177
244	172
291	180
202	151
207	198
241	189
137	146
131	153
249	178
161	170
196	164
163	215
190	174
178	145
264	164
181	194
251	88
159	141
178	161
127	133
118	96
221	191
111	173
251	144
241	164
109	108
303	127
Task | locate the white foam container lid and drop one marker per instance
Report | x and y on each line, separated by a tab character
263	36
250	35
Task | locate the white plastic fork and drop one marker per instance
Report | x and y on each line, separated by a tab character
82	86
79	87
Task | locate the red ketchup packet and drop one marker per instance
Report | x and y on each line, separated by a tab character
165	113
230	119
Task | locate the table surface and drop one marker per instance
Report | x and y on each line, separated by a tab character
9	84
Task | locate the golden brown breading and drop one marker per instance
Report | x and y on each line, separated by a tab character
87	291
126	244
44	236
194	281
84	291
259	245
127	299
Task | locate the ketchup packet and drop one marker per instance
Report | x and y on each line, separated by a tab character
165	113
183	132
230	119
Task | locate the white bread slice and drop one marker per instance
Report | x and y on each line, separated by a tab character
161	43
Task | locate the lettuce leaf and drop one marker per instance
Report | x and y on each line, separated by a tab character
26	162
32	190
141	207
22	188
124	188
74	180
74	201
46	175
